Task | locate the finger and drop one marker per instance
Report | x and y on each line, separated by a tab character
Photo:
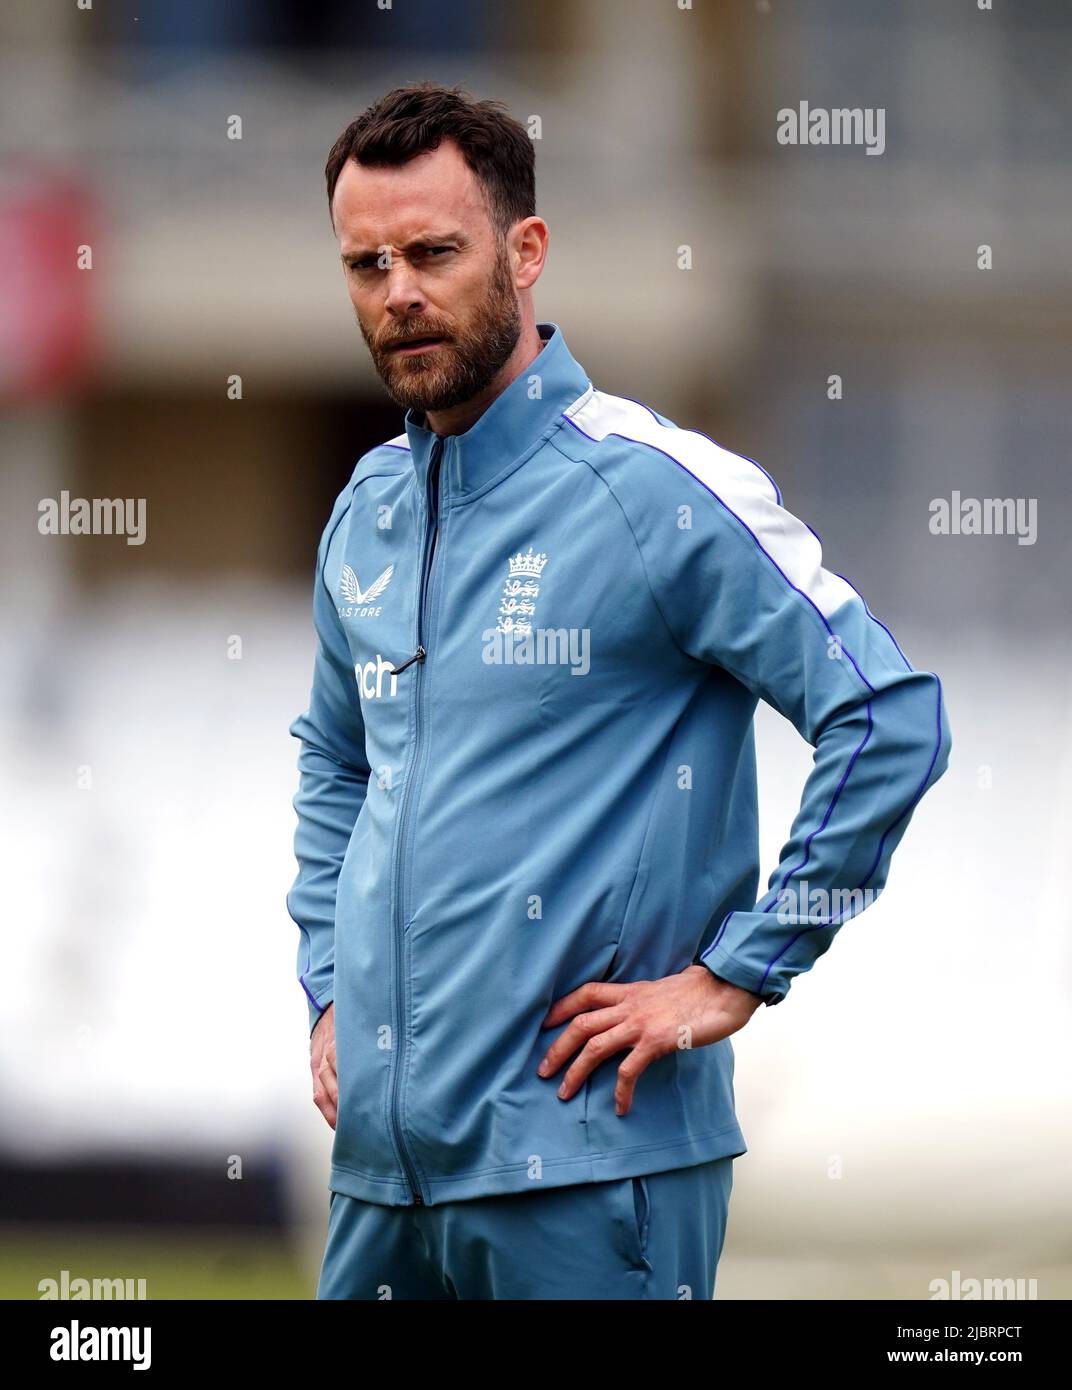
596	1050
321	1064
579	1031
325	1104
329	1080
629	1074
592	995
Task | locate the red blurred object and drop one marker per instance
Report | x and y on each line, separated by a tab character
45	300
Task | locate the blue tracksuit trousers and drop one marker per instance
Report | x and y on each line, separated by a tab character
658	1236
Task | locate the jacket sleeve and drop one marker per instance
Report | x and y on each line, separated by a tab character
744	587
332	782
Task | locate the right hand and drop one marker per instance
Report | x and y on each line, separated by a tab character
322	1064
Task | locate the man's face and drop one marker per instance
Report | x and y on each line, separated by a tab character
422	261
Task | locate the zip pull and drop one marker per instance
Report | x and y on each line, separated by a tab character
418	655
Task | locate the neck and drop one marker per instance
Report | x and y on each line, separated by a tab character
461	417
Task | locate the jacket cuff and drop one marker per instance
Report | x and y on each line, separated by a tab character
727	967
316	1010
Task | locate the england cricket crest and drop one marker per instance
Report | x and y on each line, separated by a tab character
520	591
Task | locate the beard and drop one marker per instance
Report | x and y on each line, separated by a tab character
465	363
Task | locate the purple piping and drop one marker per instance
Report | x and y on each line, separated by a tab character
867	735
881	624
829	810
658	421
778	495
886	834
774	485
922	786
744	526
310	993
308	940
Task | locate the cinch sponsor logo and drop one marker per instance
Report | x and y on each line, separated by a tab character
76	1343
370	678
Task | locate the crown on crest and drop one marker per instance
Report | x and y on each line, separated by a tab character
529	564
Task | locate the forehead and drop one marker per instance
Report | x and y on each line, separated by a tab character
390	205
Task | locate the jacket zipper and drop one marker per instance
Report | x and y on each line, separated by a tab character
427	555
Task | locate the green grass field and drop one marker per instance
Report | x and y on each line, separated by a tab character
188	1265
214	1265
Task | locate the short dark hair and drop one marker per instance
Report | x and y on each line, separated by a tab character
412	119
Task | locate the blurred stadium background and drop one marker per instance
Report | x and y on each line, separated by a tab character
907	1109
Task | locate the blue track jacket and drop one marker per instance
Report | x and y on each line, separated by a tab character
528	762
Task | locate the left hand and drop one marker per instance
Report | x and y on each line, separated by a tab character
649	1018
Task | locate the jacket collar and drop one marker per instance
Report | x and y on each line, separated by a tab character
509	428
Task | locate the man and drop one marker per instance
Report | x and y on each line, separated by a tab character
527	822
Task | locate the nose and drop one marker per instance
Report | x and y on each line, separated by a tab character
403	288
